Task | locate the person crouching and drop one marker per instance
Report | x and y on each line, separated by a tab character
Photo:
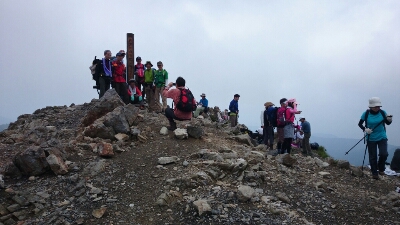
134	93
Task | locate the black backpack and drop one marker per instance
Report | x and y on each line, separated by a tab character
186	101
314	146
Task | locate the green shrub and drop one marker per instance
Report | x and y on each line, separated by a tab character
321	151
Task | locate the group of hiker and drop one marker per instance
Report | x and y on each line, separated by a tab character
150	85
146	86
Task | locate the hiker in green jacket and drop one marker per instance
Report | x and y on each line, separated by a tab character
149	85
160	79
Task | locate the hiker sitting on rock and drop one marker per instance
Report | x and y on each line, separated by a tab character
375	120
202	106
175	94
134	93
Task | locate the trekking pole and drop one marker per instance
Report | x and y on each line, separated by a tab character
363	138
365	152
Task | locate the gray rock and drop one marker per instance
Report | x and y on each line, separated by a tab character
343	164
106	104
320	163
195	131
202	207
355	171
131	113
167	160
245	139
21	200
121	137
117	120
239	165
245	193
13	208
181	133
98	129
57	164
324	174
95	168
12	170
32	161
283	197
1	182
285	159
168	198
164	131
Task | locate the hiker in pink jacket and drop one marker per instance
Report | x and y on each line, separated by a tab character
288	129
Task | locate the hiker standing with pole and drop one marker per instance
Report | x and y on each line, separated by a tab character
375	120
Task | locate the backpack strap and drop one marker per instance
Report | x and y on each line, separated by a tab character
366	117
384	118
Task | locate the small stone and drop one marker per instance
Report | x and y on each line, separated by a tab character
202	206
320	163
324	174
343	164
286	159
98	213
32	178
167	160
164	131
379	209
355	171
245	193
185	163
283	197
181	133
13	208
121	137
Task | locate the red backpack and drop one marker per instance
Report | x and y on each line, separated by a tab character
281	117
186	101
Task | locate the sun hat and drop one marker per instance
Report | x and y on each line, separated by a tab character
302	117
148	62
374	101
203	95
268	104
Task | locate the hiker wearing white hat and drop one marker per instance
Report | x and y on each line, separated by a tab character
375	120
202	106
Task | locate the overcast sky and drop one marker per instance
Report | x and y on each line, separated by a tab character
330	55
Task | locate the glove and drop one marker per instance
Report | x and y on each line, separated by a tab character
133	98
368	131
389	119
140	98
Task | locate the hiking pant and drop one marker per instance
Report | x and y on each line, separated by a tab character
169	113
140	84
121	89
286	145
199	110
383	154
306	143
148	89
157	94
268	132
281	138
233	119
136	100
104	83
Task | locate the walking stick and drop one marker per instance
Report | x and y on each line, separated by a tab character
364	138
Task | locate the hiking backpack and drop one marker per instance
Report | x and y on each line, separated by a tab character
186	101
280	117
314	146
271	116
93	72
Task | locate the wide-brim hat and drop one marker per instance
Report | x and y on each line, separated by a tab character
268	104
203	95
302	117
148	62
292	100
374	102
121	53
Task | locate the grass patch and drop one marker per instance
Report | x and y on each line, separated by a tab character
321	151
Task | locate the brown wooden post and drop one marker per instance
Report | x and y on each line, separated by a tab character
130	57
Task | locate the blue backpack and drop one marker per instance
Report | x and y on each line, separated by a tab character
270	116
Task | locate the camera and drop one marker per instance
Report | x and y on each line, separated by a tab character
173	84
96	87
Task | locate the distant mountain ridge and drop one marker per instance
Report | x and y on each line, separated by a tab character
337	147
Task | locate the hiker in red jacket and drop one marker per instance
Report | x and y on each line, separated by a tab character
119	76
175	94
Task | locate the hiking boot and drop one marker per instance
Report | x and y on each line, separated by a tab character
172	126
382	173
375	176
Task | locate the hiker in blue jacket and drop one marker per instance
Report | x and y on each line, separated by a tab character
234	110
375	120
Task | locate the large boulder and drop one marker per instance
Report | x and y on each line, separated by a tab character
57	164
131	113
195	131
98	129
32	161
117	120
101	107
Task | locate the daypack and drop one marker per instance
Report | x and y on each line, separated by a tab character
281	117
186	101
93	72
140	70
366	118
271	116
314	146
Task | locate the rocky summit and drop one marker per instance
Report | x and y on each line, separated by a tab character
105	162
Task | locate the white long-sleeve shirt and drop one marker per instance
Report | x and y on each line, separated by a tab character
262	118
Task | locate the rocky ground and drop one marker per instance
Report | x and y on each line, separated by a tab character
106	163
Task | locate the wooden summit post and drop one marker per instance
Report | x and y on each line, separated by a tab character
130	57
